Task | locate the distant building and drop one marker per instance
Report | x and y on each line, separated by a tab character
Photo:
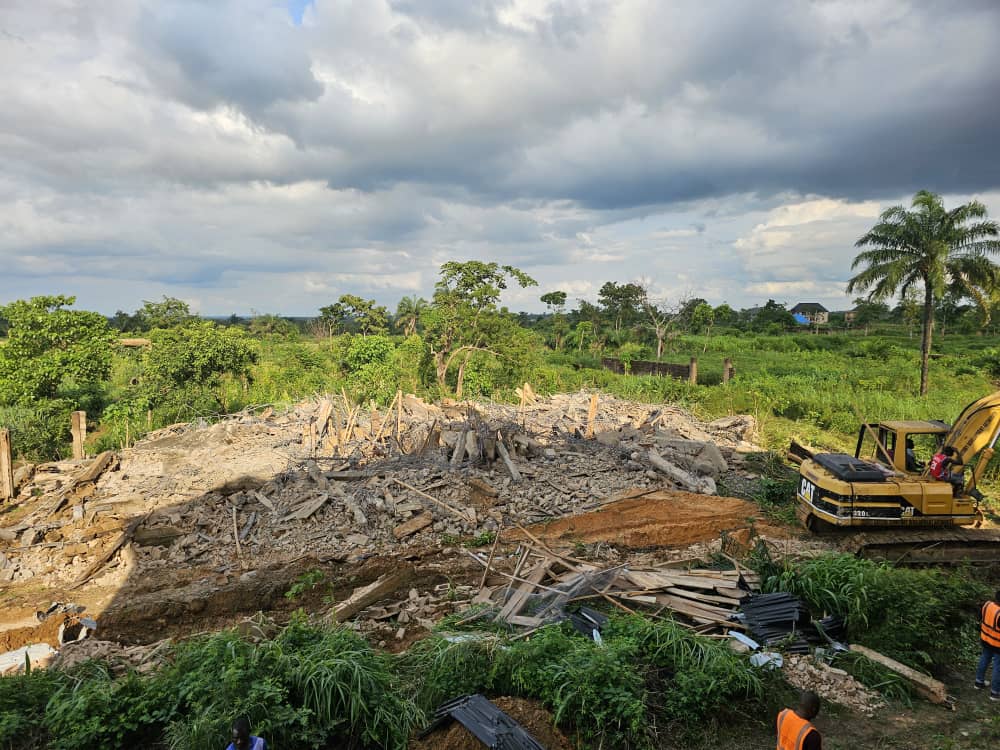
814	312
849	316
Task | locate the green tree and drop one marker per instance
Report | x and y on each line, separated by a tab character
933	248
169	313
772	314
268	324
184	369
725	315
464	316
868	311
408	313
350	309
51	348
556	303
703	318
622	304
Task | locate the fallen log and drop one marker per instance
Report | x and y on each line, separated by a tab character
931	689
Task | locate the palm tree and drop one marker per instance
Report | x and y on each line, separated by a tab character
931	248
408	313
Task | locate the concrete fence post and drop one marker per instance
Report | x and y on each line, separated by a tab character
727	370
693	371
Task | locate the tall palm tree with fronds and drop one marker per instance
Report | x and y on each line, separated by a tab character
408	313
932	248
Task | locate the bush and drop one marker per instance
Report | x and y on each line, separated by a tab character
907	614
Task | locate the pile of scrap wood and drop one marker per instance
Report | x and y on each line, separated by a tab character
544	583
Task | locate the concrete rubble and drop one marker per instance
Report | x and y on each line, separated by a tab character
258	487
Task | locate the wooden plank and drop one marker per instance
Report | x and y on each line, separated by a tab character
6	467
79	431
515	475
649	579
124	538
459	453
467	516
520	596
414	525
323	417
691	609
365	596
591	416
306	509
96	467
726	601
928	687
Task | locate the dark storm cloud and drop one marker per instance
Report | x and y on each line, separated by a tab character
203	57
207	146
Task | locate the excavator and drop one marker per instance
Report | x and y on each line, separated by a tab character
883	502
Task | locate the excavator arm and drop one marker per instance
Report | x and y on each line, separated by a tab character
975	433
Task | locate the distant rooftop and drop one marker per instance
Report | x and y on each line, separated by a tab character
808	307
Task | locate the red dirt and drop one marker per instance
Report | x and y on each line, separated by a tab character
656	519
46	632
529	714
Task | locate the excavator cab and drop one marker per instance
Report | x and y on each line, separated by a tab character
908	445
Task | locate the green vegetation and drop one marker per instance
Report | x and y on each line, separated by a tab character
932	249
816	388
917	617
315	687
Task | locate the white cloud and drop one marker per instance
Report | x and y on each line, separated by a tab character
215	151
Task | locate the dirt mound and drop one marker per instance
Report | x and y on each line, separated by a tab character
660	518
46	632
529	714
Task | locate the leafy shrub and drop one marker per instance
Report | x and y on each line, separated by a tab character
901	612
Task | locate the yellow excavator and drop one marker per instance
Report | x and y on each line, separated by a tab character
886	498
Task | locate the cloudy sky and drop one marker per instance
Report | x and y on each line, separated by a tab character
264	155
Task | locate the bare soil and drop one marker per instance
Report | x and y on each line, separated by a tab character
659	518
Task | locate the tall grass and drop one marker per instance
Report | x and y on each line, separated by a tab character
914	616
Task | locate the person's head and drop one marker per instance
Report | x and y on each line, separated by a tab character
241	733
909	444
949	450
808	705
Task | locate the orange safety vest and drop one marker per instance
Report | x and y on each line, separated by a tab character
792	730
989	630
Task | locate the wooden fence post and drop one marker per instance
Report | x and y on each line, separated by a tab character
6	467
727	369
591	416
79	429
693	371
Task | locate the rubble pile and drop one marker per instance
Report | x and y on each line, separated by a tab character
831	683
328	478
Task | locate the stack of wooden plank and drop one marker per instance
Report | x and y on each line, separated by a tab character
544	584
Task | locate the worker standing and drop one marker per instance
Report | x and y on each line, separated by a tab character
795	729
989	636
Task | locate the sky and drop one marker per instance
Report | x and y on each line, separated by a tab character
268	156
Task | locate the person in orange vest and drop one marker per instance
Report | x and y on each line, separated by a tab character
989	636
795	729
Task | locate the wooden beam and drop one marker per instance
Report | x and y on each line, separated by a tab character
591	416
6	467
928	687
79	430
373	592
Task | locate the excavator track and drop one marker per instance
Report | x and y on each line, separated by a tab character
929	546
